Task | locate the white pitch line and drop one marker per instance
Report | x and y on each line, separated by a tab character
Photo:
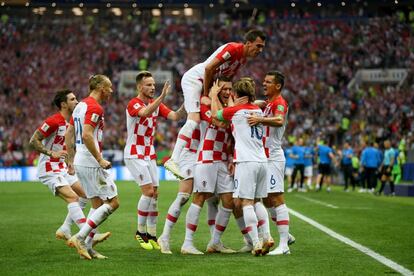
318	202
363	249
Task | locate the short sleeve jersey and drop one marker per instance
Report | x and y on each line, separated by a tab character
214	140
87	112
141	130
272	138
53	129
231	56
248	139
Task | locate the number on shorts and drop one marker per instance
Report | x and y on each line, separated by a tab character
236	184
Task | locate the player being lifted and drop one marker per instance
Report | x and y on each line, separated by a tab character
86	131
139	153
274	123
225	61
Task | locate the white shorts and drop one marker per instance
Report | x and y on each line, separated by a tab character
288	171
96	182
143	171
212	178
275	177
187	163
57	179
250	180
192	87
308	171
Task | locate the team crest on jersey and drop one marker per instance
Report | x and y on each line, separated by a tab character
45	127
136	106
280	108
226	55
94	117
208	114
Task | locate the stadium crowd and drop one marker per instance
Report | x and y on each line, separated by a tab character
318	57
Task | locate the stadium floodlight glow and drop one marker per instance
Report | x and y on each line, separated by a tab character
343	4
175	12
156	12
293	4
138	12
108	5
160	5
2	4
116	11
134	5
53	4
58	12
27	4
396	2
236	5
319	4
95	10
77	11
185	5
81	4
211	5
188	12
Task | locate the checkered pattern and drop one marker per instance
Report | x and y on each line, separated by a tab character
53	129
213	147
272	138
141	130
231	54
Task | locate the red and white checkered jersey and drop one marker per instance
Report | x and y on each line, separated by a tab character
273	136
141	130
214	140
248	139
53	129
231	54
87	112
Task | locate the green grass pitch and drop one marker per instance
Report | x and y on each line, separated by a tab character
30	215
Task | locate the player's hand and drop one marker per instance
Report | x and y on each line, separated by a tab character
231	168
254	119
105	164
166	89
71	169
215	89
59	154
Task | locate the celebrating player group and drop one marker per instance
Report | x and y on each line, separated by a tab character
228	154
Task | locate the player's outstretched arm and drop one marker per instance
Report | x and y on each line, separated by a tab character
148	110
178	114
209	74
87	137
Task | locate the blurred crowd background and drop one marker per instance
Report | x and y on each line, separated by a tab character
319	53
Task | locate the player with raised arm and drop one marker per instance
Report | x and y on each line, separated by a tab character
225	61
139	153
249	155
86	132
274	122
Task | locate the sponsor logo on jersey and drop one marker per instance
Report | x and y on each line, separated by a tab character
226	55
45	127
94	117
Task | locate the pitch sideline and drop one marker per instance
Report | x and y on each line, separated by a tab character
363	249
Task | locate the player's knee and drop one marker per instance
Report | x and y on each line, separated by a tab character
114	203
183	198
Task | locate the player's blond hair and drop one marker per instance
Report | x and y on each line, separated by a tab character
96	80
245	87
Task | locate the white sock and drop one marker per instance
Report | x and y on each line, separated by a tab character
184	137
76	214
263	221
191	222
152	218
309	181
89	238
68	221
283	224
142	212
99	216
212	210
173	213
251	223
243	230
223	217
